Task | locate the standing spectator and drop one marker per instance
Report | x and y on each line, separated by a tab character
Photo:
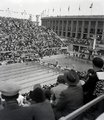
70	98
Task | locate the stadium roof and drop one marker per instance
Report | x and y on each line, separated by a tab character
76	16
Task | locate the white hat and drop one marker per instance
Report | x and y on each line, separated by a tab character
9	89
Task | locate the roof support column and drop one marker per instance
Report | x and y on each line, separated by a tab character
89	26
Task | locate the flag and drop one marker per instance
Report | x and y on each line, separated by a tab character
25	12
7	10
68	8
22	13
45	12
42	13
48	11
79	8
91	5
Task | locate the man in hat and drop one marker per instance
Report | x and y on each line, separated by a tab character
70	98
12	111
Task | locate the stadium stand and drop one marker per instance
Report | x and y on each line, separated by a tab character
19	37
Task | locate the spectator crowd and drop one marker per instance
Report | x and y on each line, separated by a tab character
18	36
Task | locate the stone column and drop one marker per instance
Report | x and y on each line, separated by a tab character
62	28
96	26
55	26
71	28
89	26
82	30
76	29
66	28
103	34
58	26
52	25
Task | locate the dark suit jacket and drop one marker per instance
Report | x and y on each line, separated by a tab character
70	99
12	111
89	88
43	111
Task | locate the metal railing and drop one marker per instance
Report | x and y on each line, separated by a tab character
82	109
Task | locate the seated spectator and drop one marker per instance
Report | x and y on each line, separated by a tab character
37	95
47	93
12	111
90	73
89	77
42	109
70	98
56	91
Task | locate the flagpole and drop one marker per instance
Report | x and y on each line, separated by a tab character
60	11
91	11
53	12
68	10
79	11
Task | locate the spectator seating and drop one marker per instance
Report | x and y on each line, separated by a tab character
20	35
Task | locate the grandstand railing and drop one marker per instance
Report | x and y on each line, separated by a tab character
82	109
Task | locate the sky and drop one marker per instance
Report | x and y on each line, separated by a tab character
23	8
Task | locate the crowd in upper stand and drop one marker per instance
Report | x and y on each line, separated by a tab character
80	41
19	35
